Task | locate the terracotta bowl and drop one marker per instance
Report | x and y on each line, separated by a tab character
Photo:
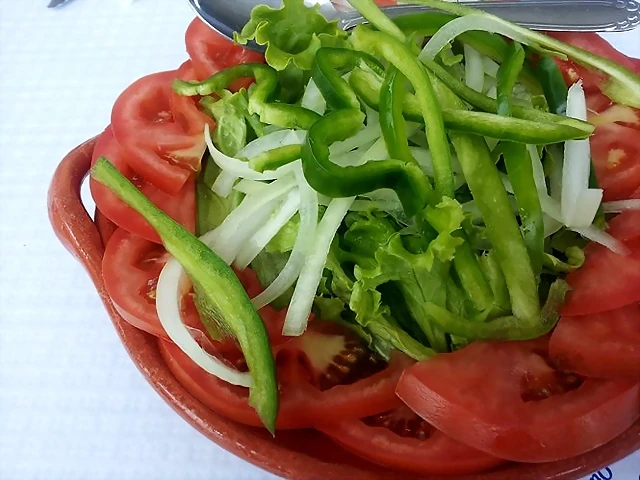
303	454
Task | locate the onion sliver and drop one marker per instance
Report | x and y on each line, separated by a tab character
301	247
618	206
295	322
253	246
169	295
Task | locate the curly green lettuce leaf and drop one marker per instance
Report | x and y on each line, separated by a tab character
211	209
230	134
292	33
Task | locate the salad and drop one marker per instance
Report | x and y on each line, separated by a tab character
420	237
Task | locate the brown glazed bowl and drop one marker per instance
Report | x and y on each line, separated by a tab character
300	455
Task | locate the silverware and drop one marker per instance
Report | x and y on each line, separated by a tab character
228	16
57	3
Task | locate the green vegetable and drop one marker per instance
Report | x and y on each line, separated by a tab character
575	259
292	33
217	285
211	209
328	178
261	98
507	77
230	134
368	87
393	51
493	46
277	157
491	198
392	122
504	328
267	266
623	85
520	172
553	86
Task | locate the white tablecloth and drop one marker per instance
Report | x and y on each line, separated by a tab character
72	405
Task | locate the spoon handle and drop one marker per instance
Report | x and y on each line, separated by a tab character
549	15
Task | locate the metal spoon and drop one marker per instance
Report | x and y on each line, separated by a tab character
228	16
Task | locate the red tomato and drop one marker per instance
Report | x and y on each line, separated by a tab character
211	52
401	440
325	375
597	45
626	226
130	268
506	400
181	207
159	148
606	281
185	109
604	345
615	154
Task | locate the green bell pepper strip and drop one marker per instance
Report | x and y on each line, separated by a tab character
622	85
503	328
489	44
335	90
275	158
520	172
261	99
332	180
397	54
466	264
217	283
553	86
491	198
392	122
367	87
488	104
507	76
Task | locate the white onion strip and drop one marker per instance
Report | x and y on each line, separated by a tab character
295	322
252	247
473	68
302	245
618	206
168	298
579	203
240	168
312	99
464	24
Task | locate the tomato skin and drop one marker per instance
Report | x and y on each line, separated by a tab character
301	404
181	207
158	147
606	281
211	52
185	109
437	455
604	345
626	226
615	153
499	398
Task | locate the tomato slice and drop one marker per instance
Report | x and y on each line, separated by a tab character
606	281
626	226
185	109
401	440
604	345
616	158
211	52
181	207
325	375
615	153
161	149
506	400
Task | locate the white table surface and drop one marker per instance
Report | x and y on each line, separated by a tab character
72	405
